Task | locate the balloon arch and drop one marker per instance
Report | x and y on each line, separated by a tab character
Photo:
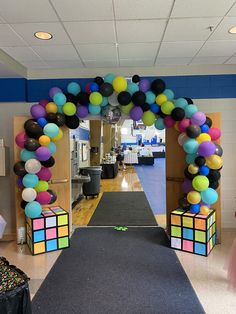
140	99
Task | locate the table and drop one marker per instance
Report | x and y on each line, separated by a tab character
109	171
146	160
131	158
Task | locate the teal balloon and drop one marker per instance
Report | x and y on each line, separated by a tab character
190	158
104	101
209	196
59	109
26	155
73	88
150	97
190	146
94	109
52	147
33	209
190	110
30	180
169	94
159	124
109	78
51	130
132	88
180	103
59	99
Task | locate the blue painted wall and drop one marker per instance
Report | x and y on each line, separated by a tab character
81	133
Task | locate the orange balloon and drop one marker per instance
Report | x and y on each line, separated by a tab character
51	107
204	210
44	140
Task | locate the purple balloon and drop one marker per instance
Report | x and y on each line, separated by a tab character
44	174
144	85
19	183
206	149
204	204
37	111
198	118
136	113
43	153
53	91
187	186
43	198
82	111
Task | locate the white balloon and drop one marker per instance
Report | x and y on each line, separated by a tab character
113	99
29	194
32	166
182	138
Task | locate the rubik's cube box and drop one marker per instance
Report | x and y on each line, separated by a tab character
193	233
49	232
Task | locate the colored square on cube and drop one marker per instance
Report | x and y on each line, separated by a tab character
39	236
188	222
63	231
200	224
188	245
200	236
51	245
200	248
63	242
175	220
39	247
38	224
47	213
176	231
214	228
51	233
188	234
51	221
178	211
176	243
62	220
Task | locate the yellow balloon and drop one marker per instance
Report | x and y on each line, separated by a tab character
160	99
44	140
51	107
204	210
193	169
194	197
126	109
58	137
214	162
203	137
167	107
119	84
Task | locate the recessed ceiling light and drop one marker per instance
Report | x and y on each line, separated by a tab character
232	30
43	35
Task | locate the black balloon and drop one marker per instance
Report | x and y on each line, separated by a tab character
214	185
208	122
161	114
200	161
23	204
106	89
189	175
189	100
19	169
31	144
177	114
51	117
72	122
138	98
71	98
29	122
219	150
135	78
48	163
145	107
183	202
34	130
214	175
193	131
53	196
158	86
124	98
99	80
60	119
83	98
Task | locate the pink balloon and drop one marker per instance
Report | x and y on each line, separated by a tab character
214	133
169	122
20	139
184	124
44	174
43	102
87	88
43	198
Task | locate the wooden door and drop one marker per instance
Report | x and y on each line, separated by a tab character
175	165
61	173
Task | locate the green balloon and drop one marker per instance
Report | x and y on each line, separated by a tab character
148	118
69	109
95	98
41	186
167	107
126	109
200	183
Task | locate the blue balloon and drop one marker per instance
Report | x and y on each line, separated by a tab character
204	128
154	108
180	103
42	122
94	109
190	146
209	196
26	155
169	94
51	130
73	88
190	110
159	124
204	170
195	208
94	87
30	180
109	78
190	158
132	88
104	101
33	209
52	147
59	99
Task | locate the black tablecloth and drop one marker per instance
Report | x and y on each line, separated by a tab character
145	160
109	171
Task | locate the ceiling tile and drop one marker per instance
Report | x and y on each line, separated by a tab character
201	8
27	31
179	49
232	12
140	31
57	53
24	11
91	32
97	52
222	30
21	53
136	62
142	9
189	29
209	60
9	38
231	61
35	64
138	50
220	48
173	61
101	64
80	10
65	64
